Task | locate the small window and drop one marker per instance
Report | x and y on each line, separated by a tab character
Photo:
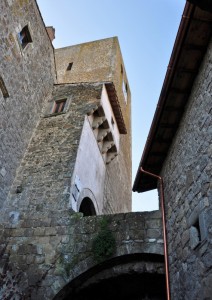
196	225
122	71
112	121
24	37
125	90
3	88
59	106
69	66
195	234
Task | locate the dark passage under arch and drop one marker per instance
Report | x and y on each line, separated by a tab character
87	207
144	286
129	277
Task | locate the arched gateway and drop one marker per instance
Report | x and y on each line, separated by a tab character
116	256
87	207
127	277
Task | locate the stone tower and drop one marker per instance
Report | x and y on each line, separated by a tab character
67	121
101	171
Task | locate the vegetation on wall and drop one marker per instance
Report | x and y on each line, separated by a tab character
104	243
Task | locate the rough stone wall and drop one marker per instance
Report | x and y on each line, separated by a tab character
187	177
92	62
101	61
44	257
41	190
28	76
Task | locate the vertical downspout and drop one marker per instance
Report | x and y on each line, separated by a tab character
164	230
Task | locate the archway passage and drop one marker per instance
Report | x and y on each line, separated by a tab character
138	276
144	286
87	207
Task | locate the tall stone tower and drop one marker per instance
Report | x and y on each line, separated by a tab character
100	172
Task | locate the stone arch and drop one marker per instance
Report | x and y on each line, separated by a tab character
88	201
131	276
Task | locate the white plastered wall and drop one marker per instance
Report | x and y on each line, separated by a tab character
89	171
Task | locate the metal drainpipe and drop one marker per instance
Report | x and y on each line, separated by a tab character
164	230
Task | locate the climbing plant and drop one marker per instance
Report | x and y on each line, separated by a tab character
104	243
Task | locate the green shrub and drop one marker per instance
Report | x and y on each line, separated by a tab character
104	243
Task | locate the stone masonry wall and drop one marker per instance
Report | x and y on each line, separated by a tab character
28	75
40	258
188	194
41	190
92	62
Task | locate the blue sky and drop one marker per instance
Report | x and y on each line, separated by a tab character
146	31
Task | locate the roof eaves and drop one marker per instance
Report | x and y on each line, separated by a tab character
172	67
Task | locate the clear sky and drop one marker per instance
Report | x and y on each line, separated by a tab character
146	30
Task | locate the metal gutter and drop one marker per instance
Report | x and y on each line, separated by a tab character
168	294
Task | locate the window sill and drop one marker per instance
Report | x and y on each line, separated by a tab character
54	114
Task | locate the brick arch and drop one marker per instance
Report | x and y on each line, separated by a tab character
149	267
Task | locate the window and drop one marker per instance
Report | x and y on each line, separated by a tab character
59	106
197	232
112	121
69	66
125	90
122	72
3	88
24	37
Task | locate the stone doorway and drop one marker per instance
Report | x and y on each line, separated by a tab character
87	207
128	277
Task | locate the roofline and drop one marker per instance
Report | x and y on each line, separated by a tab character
186	19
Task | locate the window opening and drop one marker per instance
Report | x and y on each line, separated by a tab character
122	70
69	66
195	234
124	89
59	106
87	207
3	88
197	227
24	37
112	121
